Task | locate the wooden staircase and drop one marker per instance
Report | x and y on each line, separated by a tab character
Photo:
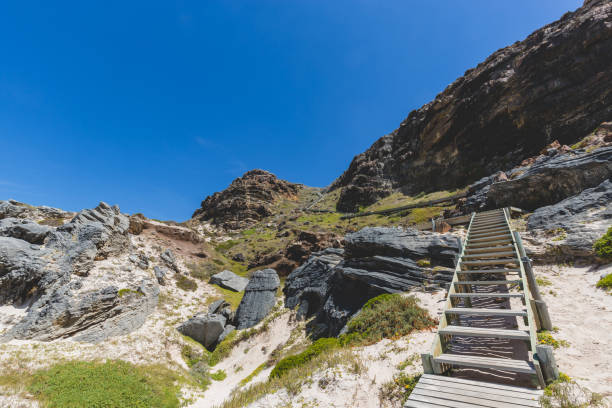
488	308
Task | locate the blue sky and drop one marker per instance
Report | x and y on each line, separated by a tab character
154	105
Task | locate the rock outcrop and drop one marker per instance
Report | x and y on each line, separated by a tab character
50	277
544	88
205	329
334	284
139	223
247	200
229	280
259	298
42	214
547	180
570	227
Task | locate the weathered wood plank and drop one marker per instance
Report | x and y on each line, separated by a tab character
482	383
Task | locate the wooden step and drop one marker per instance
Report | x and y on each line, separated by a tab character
489	282
484	244
479	234
485	312
485	332
485	255
486	295
451	390
495	270
493	235
504	364
485	249
501	261
475	227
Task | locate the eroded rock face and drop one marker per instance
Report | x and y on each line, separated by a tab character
259	298
23	229
247	200
16	209
522	97
334	284
571	226
50	277
546	181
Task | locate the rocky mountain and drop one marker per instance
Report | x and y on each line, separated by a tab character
247	200
521	98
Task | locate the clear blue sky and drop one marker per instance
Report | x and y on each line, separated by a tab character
154	105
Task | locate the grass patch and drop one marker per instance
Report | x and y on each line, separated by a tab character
223	349
397	391
201	270
386	316
109	384
226	246
185	283
424	263
543	281
128	291
545	337
288	363
219	375
249	377
605	282
231	297
603	246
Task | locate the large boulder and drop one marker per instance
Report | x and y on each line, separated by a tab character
24	229
259	298
204	328
571	226
169	259
334	284
229	280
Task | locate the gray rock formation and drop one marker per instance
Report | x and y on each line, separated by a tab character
334	284
140	260
226	331
549	180
169	259
259	298
24	229
204	328
574	224
15	209
229	280
49	278
160	274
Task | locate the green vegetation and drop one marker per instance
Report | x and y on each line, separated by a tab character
424	263
543	281
249	377
52	222
201	270
386	316
545	337
225	246
605	282
559	233
219	375
185	283
397	391
109	384
127	291
288	363
603	246
565	393
223	349
231	297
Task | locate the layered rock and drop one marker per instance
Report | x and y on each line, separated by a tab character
570	227
42	214
247	200
205	329
139	223
24	229
547	87
50	278
333	284
547	180
259	298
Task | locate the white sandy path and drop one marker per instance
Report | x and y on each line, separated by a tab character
583	315
244	359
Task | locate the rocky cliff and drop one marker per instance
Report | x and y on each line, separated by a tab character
247	200
547	87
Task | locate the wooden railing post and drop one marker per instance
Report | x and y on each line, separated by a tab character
547	361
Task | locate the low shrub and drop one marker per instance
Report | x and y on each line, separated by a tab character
566	393
305	356
397	391
185	283
386	316
544	337
219	375
603	246
605	282
110	384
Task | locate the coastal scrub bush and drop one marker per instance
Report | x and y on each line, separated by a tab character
603	246
316	348
185	283
397	391
107	384
386	316
566	393
544	337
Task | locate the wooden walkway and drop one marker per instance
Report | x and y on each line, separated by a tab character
484	353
